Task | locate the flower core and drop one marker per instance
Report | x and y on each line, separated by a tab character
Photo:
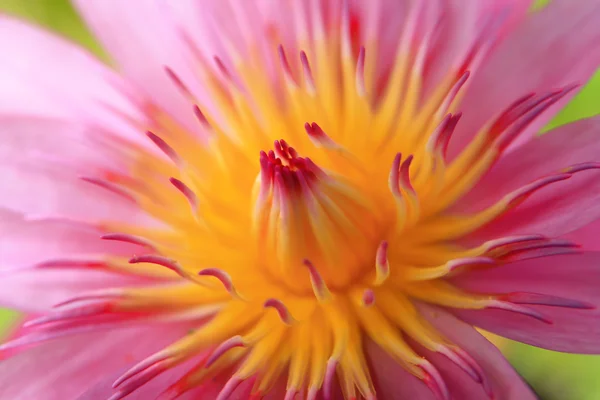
314	215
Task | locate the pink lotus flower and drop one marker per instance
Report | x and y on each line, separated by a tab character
297	198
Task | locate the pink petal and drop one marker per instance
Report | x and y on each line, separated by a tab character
391	380
37	290
586	237
25	243
542	43
557	208
151	390
460	29
143	38
504	381
41	164
67	368
45	76
572	276
28	246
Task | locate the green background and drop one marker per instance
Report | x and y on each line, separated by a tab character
553	375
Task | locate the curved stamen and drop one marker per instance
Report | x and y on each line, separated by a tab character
500	244
229	388
404	177
453	92
235	341
110	186
535	249
93	295
157	358
164	147
281	309
394	176
178	83
158	260
544	300
382	264
285	66
530	115
142	378
291	393
452	355
518	196
427	273
126	238
318	137
505	305
330	369
360	73
319	286
86	310
202	118
227	74
434	381
223	277
165	262
187	192
309	81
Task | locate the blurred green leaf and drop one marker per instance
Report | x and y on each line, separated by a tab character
586	104
56	15
7	317
537	4
573	376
